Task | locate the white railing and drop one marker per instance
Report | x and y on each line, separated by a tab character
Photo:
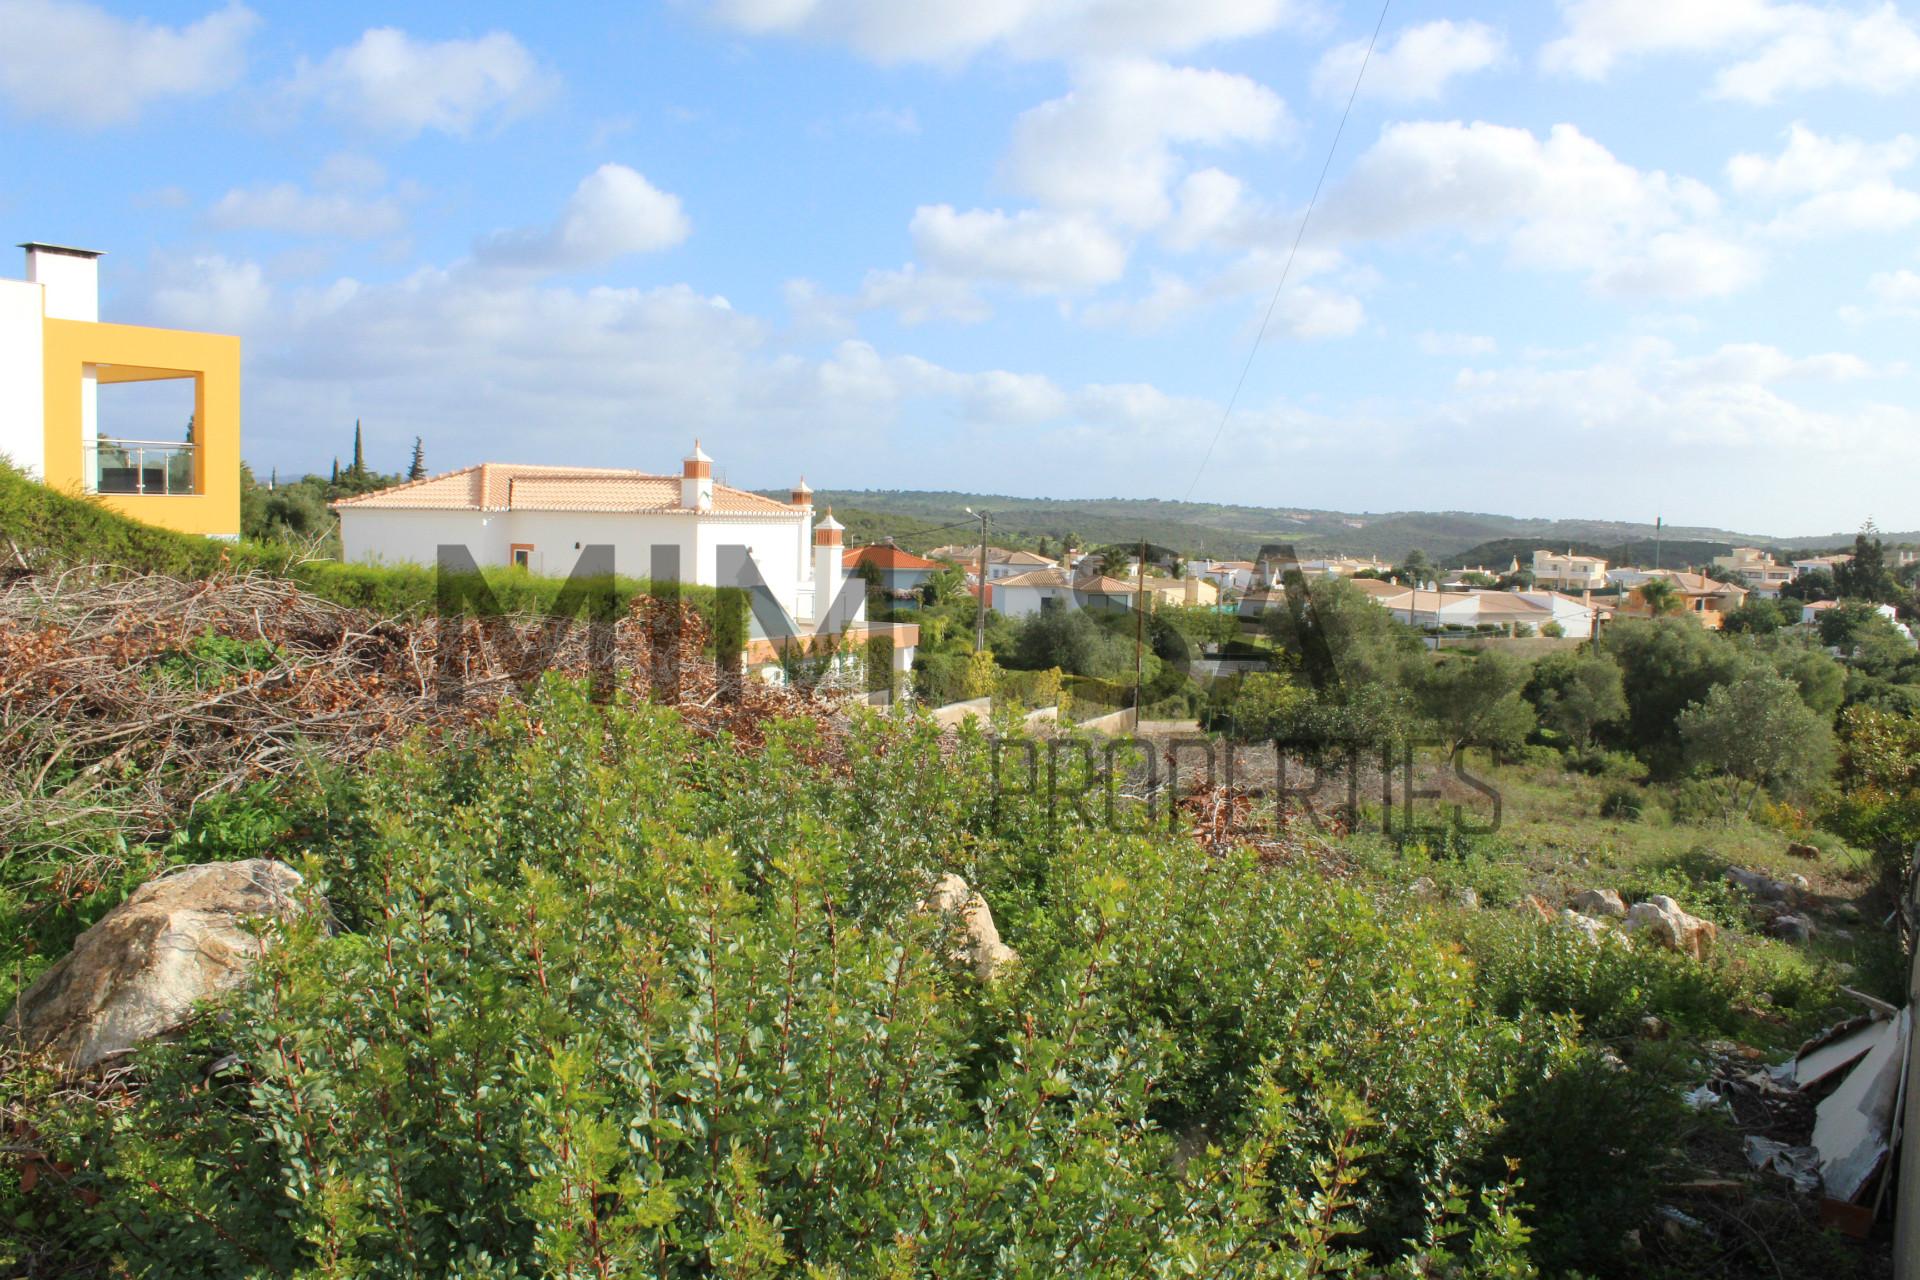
141	466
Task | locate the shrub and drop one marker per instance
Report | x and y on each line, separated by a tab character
1623	802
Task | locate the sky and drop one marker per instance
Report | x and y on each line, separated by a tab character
1593	258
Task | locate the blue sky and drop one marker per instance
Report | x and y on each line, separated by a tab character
1609	258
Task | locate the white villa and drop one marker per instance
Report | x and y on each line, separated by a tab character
1021	595
540	518
1568	572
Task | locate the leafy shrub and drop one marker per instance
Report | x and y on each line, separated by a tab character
1623	802
601	996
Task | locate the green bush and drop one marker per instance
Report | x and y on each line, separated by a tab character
608	997
1623	802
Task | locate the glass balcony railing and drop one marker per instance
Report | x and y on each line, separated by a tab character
141	466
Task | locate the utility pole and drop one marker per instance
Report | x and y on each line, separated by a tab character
1658	521
1139	631
980	614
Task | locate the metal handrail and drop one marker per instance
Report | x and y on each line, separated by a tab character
135	453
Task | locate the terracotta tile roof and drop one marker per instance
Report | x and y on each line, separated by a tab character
501	486
885	557
995	555
1099	585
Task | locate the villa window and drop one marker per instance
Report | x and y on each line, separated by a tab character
522	555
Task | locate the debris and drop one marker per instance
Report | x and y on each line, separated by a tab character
1853	1127
1800	849
1874	1003
1702	1098
1651	1027
1835	1049
1424	889
1467	897
1800	1166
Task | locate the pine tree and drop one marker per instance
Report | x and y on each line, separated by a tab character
417	469
359	469
336	472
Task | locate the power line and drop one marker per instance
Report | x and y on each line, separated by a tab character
1287	269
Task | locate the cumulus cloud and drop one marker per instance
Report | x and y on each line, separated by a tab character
1302	309
613	213
392	83
1767	47
1416	66
1034	249
78	64
1562	202
1847	182
1108	145
286	207
951	30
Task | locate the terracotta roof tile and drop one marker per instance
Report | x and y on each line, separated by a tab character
499	486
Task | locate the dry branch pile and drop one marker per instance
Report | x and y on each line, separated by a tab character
125	701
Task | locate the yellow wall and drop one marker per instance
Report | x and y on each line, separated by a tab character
140	354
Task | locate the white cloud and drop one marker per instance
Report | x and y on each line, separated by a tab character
1108	144
1847	182
393	83
918	296
1768	47
1899	288
1455	344
1646	396
1563	202
1302	310
613	213
1810	163
285	207
79	64
209	293
1034	249
1416	66
889	31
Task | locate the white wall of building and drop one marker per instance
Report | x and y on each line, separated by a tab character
72	282
555	539
23	416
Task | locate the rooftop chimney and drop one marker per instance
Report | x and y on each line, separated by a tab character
696	480
801	495
71	277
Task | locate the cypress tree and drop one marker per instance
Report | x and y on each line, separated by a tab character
417	470
336	472
359	471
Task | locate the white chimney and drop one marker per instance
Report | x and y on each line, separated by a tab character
696	481
802	497
71	278
829	562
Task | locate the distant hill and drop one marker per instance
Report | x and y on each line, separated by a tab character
919	519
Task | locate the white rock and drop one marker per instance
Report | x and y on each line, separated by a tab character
1661	918
141	970
1600	902
988	955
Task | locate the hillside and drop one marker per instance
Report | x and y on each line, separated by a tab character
1226	530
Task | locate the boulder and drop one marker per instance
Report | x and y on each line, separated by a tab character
1589	928
1600	902
1661	918
1800	849
1424	889
1792	928
1467	897
141	970
1760	886
1534	905
984	950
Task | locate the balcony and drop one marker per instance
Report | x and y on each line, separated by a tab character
147	467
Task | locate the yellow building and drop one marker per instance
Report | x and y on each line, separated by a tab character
55	355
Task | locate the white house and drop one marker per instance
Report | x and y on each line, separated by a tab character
1002	562
1569	572
540	518
1042	589
1227	575
1574	616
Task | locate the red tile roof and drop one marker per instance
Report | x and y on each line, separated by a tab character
502	486
885	557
